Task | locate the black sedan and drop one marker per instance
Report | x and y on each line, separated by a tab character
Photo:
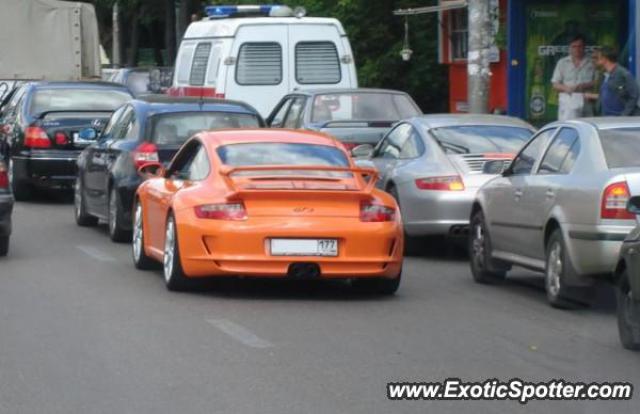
148	129
354	116
627	281
6	207
43	130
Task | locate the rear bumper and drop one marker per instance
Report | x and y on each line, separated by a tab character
53	168
217	248
6	208
594	249
436	212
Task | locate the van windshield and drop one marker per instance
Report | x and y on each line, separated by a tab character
363	106
176	128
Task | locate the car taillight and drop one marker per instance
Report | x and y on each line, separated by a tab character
226	211
4	176
145	153
61	138
36	137
614	202
373	213
449	183
198	91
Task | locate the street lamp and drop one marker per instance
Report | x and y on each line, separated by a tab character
406	51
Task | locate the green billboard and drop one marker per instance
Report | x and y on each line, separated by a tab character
550	27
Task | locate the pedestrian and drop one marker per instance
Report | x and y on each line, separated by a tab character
572	76
591	96
619	91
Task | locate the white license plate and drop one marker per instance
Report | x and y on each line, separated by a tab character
78	140
304	247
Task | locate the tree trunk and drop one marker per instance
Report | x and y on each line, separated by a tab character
480	41
134	45
170	30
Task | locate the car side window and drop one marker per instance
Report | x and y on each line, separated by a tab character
295	111
278	119
108	130
124	124
394	141
15	101
132	129
199	166
179	168
526	159
413	146
565	145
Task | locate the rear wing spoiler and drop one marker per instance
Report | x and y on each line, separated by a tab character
372	174
42	115
357	124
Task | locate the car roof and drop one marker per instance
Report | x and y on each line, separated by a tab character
320	91
165	103
78	85
245	136
610	122
446	120
228	27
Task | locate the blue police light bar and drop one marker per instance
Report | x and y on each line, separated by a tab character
220	12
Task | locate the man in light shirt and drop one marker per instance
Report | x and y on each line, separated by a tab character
573	75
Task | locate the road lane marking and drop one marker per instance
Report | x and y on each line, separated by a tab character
96	253
240	333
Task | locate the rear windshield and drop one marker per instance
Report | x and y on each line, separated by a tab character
272	153
621	147
176	128
481	139
362	106
106	100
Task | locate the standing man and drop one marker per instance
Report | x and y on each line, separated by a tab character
619	92
573	76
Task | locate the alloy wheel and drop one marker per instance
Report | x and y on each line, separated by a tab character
113	212
554	269
478	246
137	233
77	198
169	250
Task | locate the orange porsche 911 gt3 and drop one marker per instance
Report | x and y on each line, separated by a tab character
267	203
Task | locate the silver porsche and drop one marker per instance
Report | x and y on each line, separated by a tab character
560	207
434	165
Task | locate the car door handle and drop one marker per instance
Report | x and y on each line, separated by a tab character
550	194
517	193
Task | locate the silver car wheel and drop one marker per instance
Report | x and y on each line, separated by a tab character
137	234
113	211
554	269
10	172
77	198
169	250
478	246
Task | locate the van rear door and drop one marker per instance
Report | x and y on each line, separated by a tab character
261	72
315	52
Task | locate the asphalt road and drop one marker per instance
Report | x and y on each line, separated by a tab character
82	331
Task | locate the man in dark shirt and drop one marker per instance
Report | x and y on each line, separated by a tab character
619	92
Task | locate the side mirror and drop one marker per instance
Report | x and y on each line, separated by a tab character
151	170
633	205
88	134
362	151
495	167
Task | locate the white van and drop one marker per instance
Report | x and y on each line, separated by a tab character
259	58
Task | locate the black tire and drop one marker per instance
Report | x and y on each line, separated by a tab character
174	276
83	218
558	270
484	269
378	286
628	314
140	259
393	191
21	191
4	245
117	232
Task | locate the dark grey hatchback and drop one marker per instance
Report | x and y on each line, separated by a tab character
6	207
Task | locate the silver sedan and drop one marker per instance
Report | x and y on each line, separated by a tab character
433	165
560	208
